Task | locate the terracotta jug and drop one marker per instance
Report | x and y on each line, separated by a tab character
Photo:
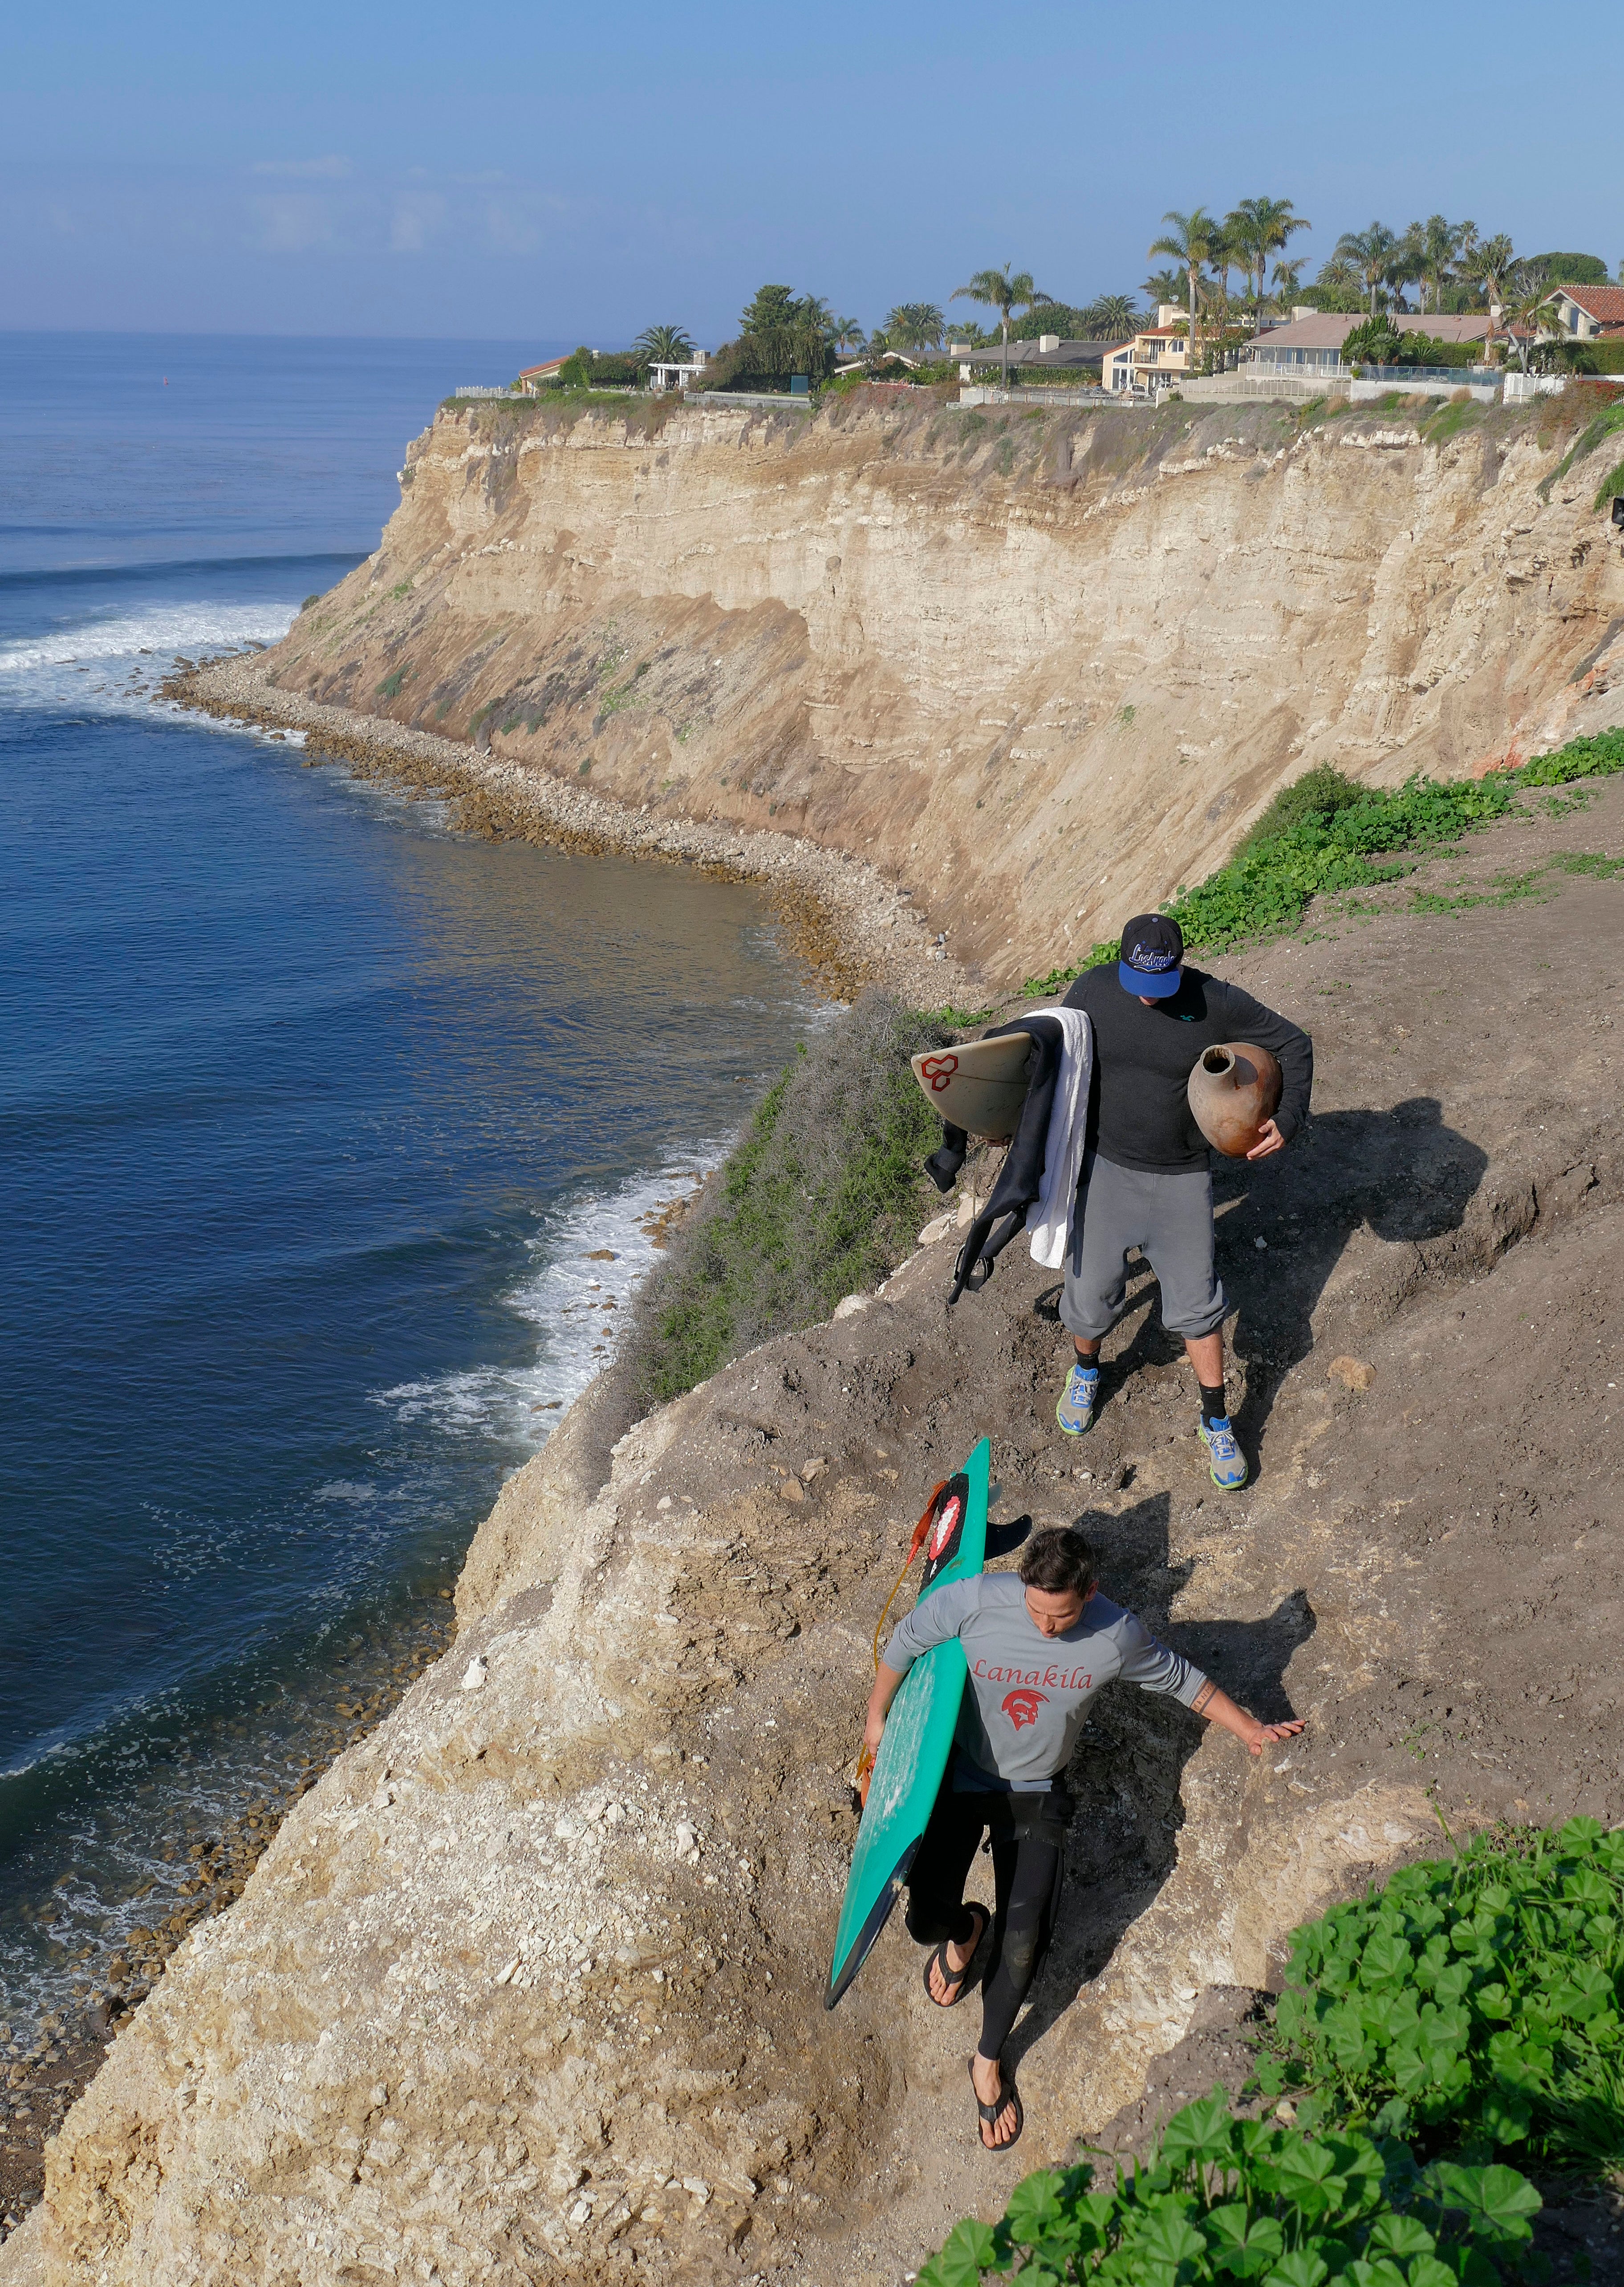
1233	1089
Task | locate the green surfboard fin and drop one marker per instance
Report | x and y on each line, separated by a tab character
914	1751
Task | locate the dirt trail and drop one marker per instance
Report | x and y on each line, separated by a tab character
528	1987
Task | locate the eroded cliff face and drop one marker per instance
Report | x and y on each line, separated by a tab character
529	1987
1039	669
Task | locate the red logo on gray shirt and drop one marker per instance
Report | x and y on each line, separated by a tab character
1022	1706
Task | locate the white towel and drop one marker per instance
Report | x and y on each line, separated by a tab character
1048	1219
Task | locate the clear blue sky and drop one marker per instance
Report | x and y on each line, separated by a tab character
579	172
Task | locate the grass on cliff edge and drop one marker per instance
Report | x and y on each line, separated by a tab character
821	1198
1327	831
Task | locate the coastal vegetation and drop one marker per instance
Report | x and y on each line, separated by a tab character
1328	833
821	1198
1465	2009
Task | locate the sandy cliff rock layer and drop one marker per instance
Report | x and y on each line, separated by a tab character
1037	669
529	1988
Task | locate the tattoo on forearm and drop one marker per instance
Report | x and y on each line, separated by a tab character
1203	1697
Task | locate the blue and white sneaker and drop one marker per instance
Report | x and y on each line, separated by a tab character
1074	1411
1227	1462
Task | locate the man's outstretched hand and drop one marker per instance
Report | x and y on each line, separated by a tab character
1269	1140
1266	1735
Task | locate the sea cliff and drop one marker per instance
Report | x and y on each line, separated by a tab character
1035	670
529	1986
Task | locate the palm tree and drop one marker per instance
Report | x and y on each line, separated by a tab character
996	289
1165	286
1490	263
1370	252
664	345
916	325
848	335
1257	228
1441	242
1112	318
1190	242
1288	279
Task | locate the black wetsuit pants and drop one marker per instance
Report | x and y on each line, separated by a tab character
1028	1835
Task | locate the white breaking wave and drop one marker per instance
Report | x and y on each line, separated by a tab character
113	664
589	1259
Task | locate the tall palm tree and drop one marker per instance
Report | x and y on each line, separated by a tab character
1490	264
916	325
664	345
1256	229
1165	286
848	335
1190	242
997	289
1441	242
1370	252
1288	279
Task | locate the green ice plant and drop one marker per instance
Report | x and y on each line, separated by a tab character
1220	2199
1327	831
1473	2004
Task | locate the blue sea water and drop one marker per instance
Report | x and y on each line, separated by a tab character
327	1136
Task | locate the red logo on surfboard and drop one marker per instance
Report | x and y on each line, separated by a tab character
938	1070
1022	1706
947	1524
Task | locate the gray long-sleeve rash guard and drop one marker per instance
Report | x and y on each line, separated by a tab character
1029	1693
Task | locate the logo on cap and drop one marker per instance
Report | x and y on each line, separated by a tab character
1156	961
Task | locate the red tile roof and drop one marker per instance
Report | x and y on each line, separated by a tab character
1604	304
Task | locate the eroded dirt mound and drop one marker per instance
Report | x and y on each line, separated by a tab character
530	1987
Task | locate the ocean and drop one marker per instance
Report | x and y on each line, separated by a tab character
330	1139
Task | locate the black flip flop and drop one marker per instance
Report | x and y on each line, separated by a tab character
963	1977
1008	2094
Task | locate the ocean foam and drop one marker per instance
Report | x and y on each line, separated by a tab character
111	663
588	1259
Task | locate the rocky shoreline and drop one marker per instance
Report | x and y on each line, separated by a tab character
849	924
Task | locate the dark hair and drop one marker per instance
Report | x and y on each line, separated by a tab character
1057	1561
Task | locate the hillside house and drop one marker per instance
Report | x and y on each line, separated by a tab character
1049	353
1587	314
1154	358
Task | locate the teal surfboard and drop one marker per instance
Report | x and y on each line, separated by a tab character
917	1739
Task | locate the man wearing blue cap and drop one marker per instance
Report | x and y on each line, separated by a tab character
1146	1178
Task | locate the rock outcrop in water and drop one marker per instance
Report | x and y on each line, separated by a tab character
1038	670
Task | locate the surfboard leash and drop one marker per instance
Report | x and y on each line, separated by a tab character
865	1759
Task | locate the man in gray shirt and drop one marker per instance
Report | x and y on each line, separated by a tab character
1039	1645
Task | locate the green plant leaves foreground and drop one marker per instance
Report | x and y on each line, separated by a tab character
1221	2199
1474	2001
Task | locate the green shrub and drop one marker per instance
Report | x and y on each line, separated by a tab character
1325	832
309	600
1219	2198
1473	2002
389	688
1600	758
821	1197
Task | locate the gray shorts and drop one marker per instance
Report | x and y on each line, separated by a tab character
1167	1214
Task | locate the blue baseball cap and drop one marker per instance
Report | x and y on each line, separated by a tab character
1151	948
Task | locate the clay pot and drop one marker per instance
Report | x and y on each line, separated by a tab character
1233	1089
980	1086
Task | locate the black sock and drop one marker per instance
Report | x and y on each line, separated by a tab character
1213	1406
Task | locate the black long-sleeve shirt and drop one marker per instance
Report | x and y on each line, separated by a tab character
1139	1115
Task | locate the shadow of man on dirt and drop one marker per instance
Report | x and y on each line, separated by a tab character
1403	1172
1127	1773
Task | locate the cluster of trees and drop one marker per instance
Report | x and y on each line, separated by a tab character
1449	267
